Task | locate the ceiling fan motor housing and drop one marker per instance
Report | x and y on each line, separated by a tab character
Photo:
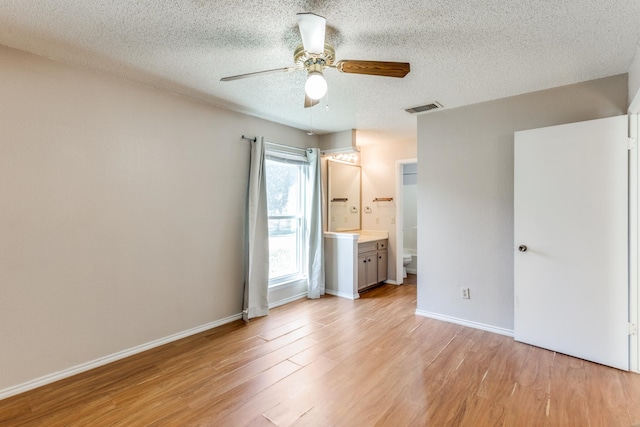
314	65
305	60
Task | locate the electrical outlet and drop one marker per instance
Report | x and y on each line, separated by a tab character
377	220
465	293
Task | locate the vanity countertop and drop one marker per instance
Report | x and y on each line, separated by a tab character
372	235
364	238
361	236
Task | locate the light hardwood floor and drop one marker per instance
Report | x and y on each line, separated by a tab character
335	362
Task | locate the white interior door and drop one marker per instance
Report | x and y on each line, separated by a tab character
570	211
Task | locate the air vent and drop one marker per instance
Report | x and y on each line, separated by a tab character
424	108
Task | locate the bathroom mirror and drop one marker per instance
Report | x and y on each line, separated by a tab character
343	196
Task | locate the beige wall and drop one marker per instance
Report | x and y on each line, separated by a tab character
121	214
465	194
379	153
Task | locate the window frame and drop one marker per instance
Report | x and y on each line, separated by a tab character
276	155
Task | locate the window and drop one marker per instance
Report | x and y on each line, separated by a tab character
285	203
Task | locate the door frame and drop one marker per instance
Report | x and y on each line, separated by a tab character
400	218
634	225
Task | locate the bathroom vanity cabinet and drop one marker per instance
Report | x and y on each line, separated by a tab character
372	263
354	261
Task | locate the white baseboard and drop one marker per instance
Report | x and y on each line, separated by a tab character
74	370
342	294
287	300
412	270
463	322
390	282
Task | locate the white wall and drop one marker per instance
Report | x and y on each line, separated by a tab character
634	110
410	206
465	200
121	214
410	214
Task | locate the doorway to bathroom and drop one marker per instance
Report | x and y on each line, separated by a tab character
407	221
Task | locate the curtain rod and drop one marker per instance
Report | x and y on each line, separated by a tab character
289	147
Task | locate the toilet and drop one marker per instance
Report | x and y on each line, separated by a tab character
406	259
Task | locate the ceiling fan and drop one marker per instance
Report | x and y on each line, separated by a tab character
314	55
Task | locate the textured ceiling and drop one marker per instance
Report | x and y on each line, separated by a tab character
461	52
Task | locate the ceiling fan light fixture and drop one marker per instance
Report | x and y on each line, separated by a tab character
316	85
315	54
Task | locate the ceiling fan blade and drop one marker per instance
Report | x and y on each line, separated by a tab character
310	102
257	73
312	29
374	68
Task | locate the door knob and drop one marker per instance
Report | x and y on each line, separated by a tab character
522	248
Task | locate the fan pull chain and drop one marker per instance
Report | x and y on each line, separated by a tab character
311	122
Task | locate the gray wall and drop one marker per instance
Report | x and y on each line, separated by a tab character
465	199
634	84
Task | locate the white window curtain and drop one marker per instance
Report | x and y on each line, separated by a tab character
256	286
313	216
